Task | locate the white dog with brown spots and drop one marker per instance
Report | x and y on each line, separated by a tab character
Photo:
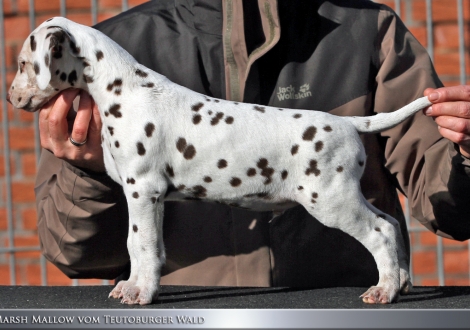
163	141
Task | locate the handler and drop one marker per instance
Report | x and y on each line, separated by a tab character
345	57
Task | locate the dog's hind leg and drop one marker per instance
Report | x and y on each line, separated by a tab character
351	215
403	259
145	245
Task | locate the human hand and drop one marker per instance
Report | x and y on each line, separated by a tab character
58	122
451	112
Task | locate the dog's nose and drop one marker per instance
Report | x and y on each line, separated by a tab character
8	97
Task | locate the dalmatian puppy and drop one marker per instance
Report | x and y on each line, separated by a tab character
162	142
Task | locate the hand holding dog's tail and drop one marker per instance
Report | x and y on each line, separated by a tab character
384	121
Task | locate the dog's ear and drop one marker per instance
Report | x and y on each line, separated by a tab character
41	56
48	44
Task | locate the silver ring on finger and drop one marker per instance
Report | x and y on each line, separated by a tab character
77	144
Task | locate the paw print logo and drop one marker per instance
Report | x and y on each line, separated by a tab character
304	88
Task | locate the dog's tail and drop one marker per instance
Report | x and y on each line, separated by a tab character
384	121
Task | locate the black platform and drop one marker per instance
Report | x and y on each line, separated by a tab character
183	297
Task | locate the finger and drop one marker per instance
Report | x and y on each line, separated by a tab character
458	109
456	137
96	124
454	124
57	119
44	122
448	94
82	118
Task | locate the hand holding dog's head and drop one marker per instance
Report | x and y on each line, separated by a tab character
48	63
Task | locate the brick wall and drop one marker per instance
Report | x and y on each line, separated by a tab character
22	159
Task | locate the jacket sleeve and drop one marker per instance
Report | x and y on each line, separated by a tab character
82	220
428	168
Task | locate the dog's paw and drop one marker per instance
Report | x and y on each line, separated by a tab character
378	295
116	292
133	295
405	282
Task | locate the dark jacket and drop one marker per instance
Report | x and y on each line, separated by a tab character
344	57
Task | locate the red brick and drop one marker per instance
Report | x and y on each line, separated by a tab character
110	4
442	10
456	262
16	28
2	166
21	138
419	32
457	281
446	36
5	275
428	238
424	262
7	7
25	116
449	63
23	192
56	277
33	274
25	241
28	161
39	5
430	282
133	3
78	4
29	217
3	219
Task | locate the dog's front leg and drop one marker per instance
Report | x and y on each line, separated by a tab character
145	246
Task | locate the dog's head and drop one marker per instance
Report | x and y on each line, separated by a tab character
48	63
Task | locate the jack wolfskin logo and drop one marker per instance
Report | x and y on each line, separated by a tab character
289	93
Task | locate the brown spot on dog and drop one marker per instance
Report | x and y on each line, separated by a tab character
181	144
111	130
217	118
47	60
181	187
114	110
63	76
197	119
318	146
309	133
300	188
153	200
36	68
297	116
229	120
116	144
141	73
88	79
149	129
106	113
377	229
189	152
327	128
199	191
235	182
313	168
259	108
314	195
148	85
75	49
135	229
99	55
367	123
222	163
135	194
140	149
361	163
284	174
72	77
339	169
130	180
267	172
117	92
251	172
33	44
216	101
207	179
196	107
294	149
169	171
262	163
